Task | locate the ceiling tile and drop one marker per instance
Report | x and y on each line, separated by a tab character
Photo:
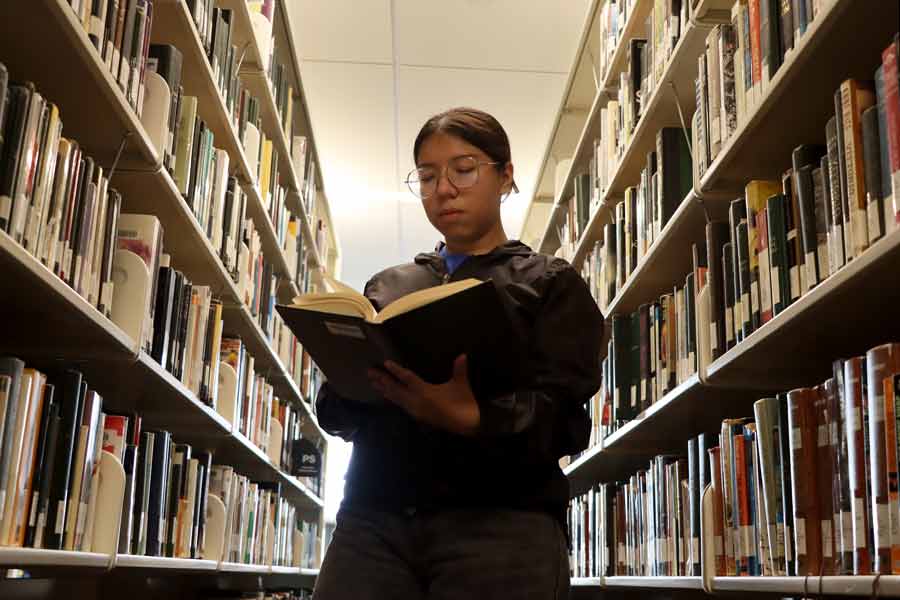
524	103
353	118
343	30
531	35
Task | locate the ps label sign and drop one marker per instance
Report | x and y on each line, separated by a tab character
306	459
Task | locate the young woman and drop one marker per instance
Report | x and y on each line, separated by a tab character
452	493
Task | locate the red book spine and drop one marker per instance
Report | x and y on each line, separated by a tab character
755	42
892	110
857	468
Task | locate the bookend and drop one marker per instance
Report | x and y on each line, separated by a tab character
262	31
130	303
214	542
276	431
702	325
251	146
707	540
110	494
227	398
155	118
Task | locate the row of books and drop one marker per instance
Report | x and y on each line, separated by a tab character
640	218
740	60
54	430
786	237
809	487
651	351
55	200
647	525
120	33
185	332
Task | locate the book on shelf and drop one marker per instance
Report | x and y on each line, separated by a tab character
346	336
50	478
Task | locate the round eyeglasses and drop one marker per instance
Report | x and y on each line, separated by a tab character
462	173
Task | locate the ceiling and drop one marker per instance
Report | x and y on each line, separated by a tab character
375	70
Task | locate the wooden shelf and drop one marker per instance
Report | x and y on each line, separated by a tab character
843	316
669	259
76	80
634	28
807	80
173	24
665	583
50	314
242	33
129	561
688	410
33	557
258	84
849	585
580	160
661	110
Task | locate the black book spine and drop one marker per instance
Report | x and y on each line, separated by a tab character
834	192
634	356
805	159
743	256
728	289
786	493
71	402
872	171
175	323
621	367
4	102
19	99
186	293
162	315
202	495
156	510
142	494
694	491
126	529
82	213
690	295
645	392
48	410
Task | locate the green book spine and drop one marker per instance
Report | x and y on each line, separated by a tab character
781	280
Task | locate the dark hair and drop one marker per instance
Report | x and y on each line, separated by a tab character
470	125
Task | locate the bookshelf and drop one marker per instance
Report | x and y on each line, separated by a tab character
54	325
797	347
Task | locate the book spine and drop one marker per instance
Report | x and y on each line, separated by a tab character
824	478
890	446
878	362
853	101
871	147
857	467
892	118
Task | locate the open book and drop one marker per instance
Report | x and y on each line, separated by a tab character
424	331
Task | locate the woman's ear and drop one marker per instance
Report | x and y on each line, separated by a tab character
508	181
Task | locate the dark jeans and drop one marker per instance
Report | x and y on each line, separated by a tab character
472	554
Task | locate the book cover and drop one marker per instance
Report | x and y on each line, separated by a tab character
858	467
781	277
803	438
871	146
856	97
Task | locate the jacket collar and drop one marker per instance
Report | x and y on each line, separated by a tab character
508	248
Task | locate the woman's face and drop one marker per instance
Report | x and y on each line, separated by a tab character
463	215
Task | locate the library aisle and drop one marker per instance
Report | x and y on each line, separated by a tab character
684	382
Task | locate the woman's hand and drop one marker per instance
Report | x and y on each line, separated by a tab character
451	406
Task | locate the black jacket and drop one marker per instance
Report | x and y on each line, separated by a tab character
513	461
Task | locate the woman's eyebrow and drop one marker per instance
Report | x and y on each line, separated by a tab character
431	164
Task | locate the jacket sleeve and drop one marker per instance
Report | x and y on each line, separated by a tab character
546	418
341	416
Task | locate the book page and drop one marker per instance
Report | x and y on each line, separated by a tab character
338	298
338	304
422	297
